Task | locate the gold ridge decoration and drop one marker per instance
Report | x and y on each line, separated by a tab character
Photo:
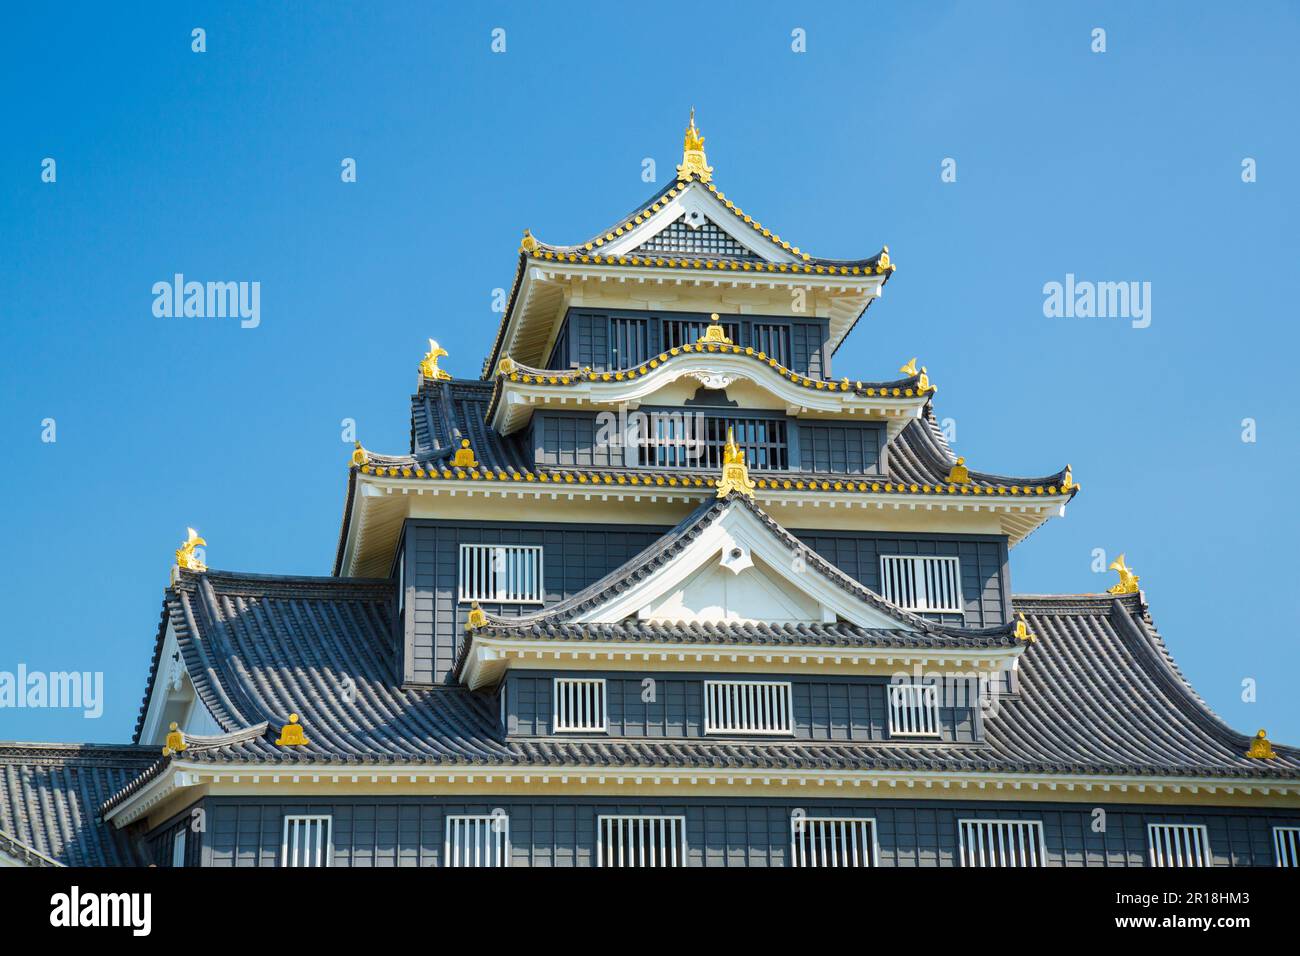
694	162
291	734
909	368
1261	748
528	244
477	617
359	455
959	474
464	457
1022	632
714	334
186	559
1068	485
1128	581
429	364
506	366
175	741
735	473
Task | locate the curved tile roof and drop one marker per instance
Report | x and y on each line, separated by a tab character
50	796
1097	694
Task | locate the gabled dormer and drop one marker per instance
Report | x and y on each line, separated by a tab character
727	589
672	260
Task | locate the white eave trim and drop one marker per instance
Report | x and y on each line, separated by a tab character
485	778
489	657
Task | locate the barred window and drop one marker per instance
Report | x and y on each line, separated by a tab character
178	848
921	583
832	841
913	710
1001	843
501	574
628	342
640	841
1286	846
774	341
477	840
307	841
1179	844
578	705
693	440
747	707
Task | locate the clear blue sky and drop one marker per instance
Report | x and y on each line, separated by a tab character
225	165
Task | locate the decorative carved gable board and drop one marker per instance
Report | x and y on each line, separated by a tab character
715	595
694	234
779	581
686	217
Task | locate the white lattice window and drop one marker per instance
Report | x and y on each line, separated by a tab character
747	707
1001	843
922	584
178	848
641	841
477	840
1179	844
307	841
1286	846
913	710
832	841
578	705
501	574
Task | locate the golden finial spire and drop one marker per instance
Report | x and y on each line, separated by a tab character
1261	748
735	473
714	333
185	556
1128	581
429	364
694	162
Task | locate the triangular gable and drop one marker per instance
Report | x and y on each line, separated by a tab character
694	218
734	564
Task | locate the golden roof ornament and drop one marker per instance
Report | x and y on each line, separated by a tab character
429	364
714	334
1067	483
1022	632
464	457
959	474
291	734
909	368
175	741
1261	748
359	455
506	366
186	559
735	473
477	617
1128	581
694	162
883	260
528	243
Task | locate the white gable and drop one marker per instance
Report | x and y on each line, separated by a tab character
695	210
714	594
737	569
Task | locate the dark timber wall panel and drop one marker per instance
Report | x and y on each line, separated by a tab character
983	560
409	831
606	340
568	440
840	448
824	708
573	557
